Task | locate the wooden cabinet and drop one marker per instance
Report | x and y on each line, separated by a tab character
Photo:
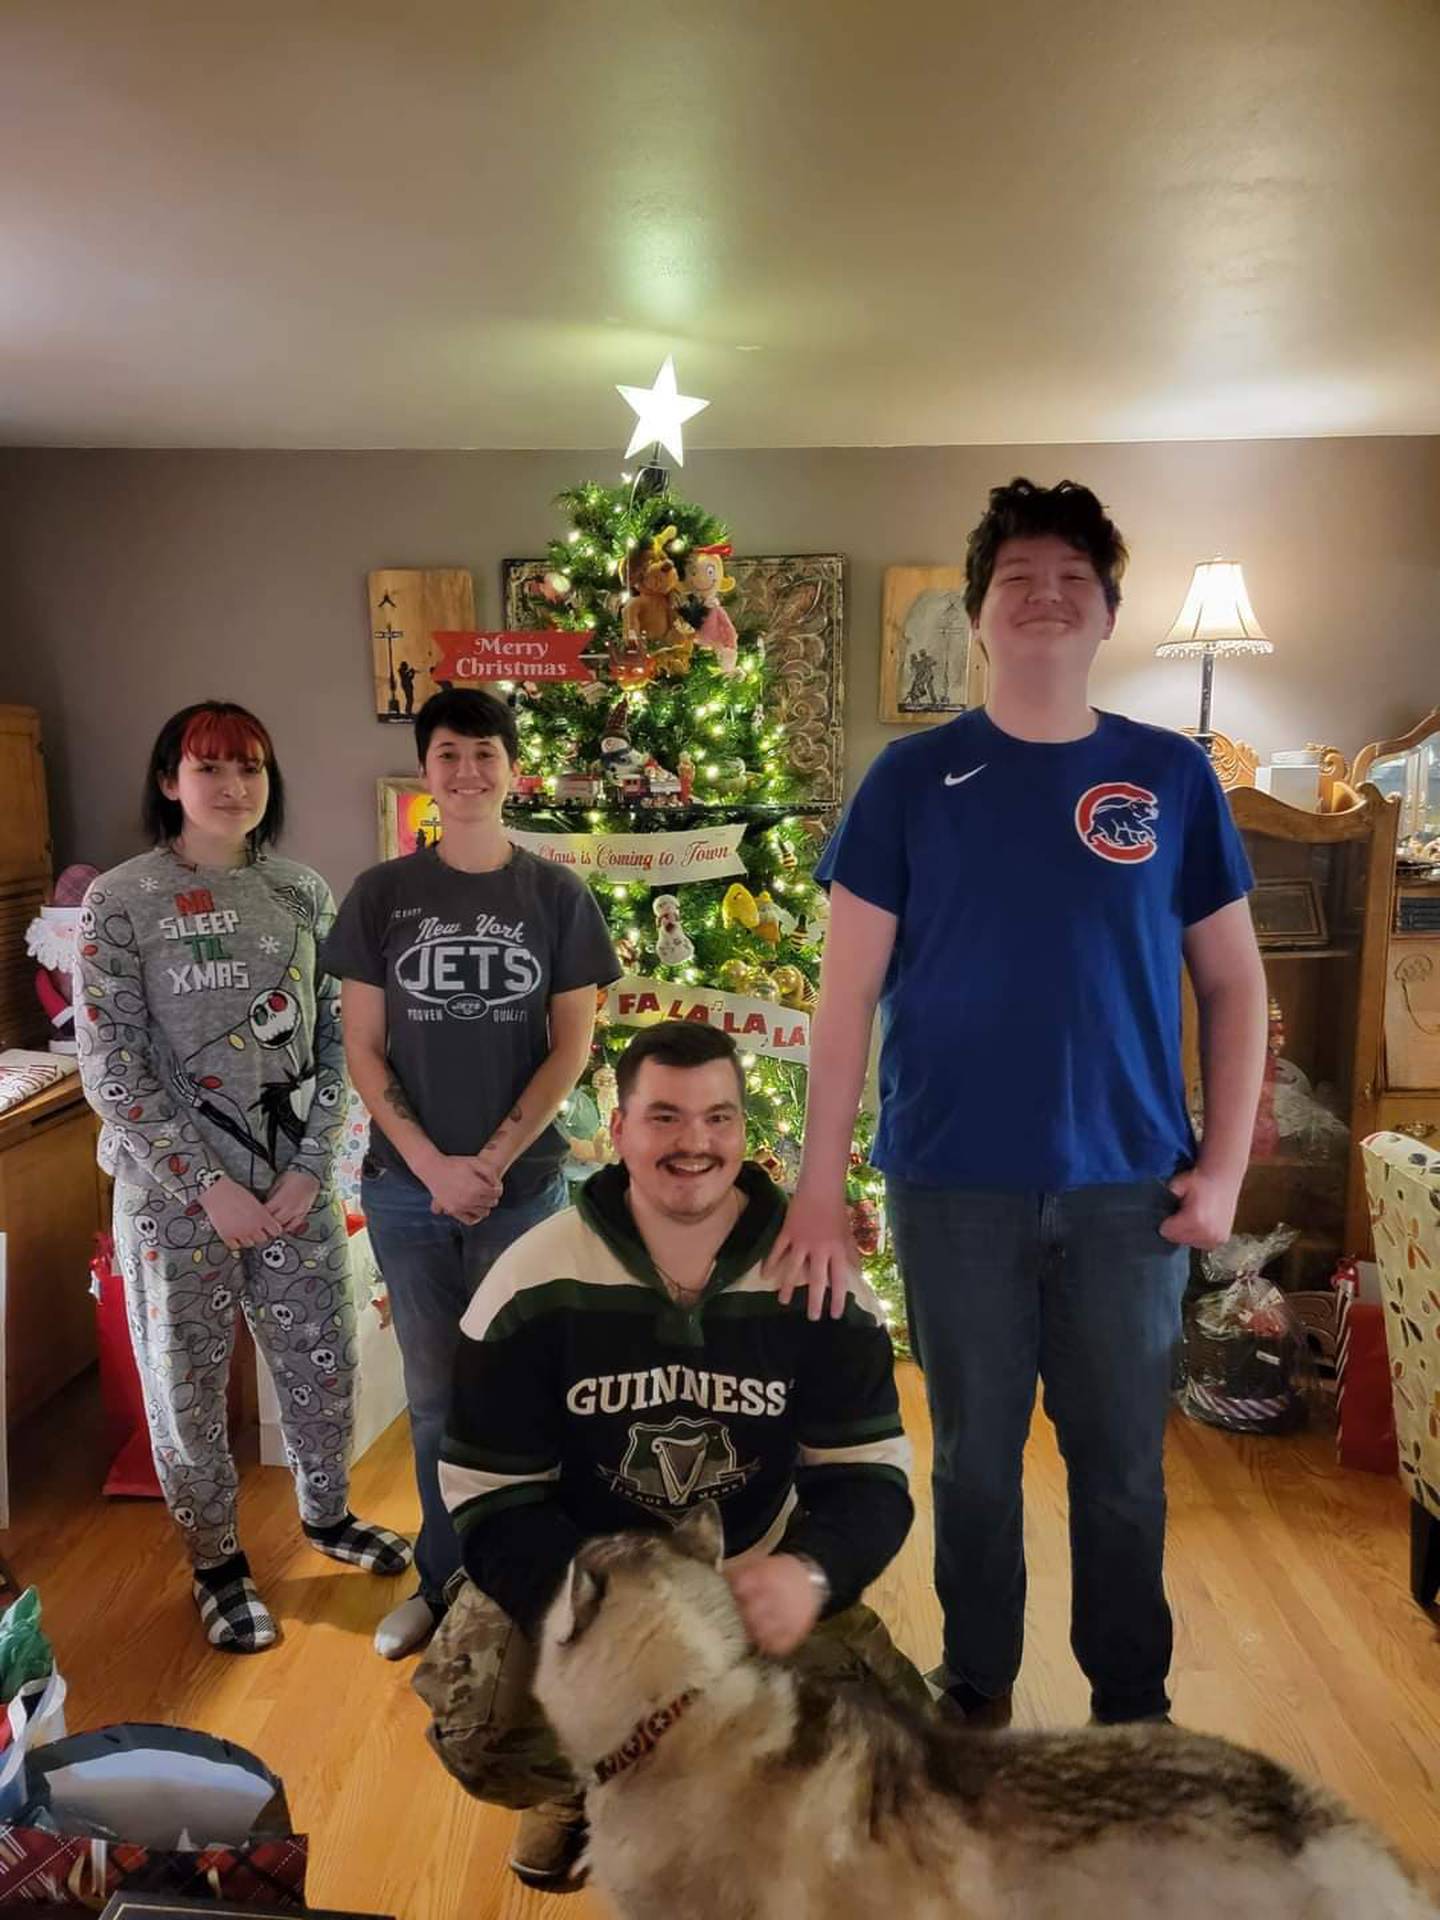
24	813
24	872
1417	1114
1407	771
53	1199
1322	901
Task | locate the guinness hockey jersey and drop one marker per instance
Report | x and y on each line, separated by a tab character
587	1402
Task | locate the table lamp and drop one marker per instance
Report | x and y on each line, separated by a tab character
1217	618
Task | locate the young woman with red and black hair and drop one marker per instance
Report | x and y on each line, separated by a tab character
210	1047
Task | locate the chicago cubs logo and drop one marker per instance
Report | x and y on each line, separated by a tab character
1117	822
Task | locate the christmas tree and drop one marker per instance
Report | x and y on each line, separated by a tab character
677	735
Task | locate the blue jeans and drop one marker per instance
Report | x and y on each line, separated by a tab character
432	1266
1079	1290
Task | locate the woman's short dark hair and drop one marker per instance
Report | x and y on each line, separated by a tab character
1023	511
467	711
215	729
676	1043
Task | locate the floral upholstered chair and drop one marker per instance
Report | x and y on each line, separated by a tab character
1402	1179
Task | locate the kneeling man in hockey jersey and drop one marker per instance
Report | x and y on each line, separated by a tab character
623	1360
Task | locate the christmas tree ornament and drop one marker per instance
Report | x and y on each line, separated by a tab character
672	661
817	919
662	786
673	946
705	581
576	787
661	412
617	756
795	990
649	613
787	1153
685	770
738	908
767	920
770	1162
607	1092
736	976
580	1117
866	1226
552	587
630	663
764	987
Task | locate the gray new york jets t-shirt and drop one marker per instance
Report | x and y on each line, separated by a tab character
468	963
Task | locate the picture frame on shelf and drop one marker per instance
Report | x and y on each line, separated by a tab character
1288	913
797	603
408	817
931	665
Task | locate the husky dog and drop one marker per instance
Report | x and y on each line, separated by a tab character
722	1786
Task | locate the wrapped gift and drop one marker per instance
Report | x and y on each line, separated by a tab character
1365	1436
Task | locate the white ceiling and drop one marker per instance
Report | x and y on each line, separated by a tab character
346	223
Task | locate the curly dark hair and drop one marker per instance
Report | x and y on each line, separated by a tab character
1023	511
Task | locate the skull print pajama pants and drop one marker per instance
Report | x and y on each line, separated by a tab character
183	1287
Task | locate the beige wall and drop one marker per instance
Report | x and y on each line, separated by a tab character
136	582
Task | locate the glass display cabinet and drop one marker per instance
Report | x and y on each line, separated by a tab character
1321	906
1407	771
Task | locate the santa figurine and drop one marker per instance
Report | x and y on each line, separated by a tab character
50	939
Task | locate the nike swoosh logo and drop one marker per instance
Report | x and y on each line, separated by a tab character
959	779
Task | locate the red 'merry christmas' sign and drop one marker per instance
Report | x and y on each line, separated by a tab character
545	653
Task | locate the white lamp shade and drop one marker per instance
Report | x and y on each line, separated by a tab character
1217	616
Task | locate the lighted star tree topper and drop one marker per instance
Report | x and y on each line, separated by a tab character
660	413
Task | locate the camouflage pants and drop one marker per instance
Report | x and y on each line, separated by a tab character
490	1733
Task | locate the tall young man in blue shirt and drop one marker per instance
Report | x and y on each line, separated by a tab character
1018	890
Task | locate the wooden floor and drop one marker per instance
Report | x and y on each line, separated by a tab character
1296	1634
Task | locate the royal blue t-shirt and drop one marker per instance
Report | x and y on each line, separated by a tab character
1031	1010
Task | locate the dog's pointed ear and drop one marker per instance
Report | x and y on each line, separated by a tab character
577	1604
701	1534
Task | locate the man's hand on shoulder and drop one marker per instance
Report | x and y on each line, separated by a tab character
815	1250
779	1600
1206	1214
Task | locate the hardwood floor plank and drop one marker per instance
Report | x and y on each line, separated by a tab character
1295	1634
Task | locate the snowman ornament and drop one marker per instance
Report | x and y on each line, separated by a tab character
673	946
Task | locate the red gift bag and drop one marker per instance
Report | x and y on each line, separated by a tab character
132	1466
1365	1436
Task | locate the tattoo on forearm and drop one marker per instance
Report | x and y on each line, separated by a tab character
495	1145
395	1097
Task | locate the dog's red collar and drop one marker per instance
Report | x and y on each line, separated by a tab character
644	1737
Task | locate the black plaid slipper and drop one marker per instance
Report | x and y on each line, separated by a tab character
235	1618
360	1544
